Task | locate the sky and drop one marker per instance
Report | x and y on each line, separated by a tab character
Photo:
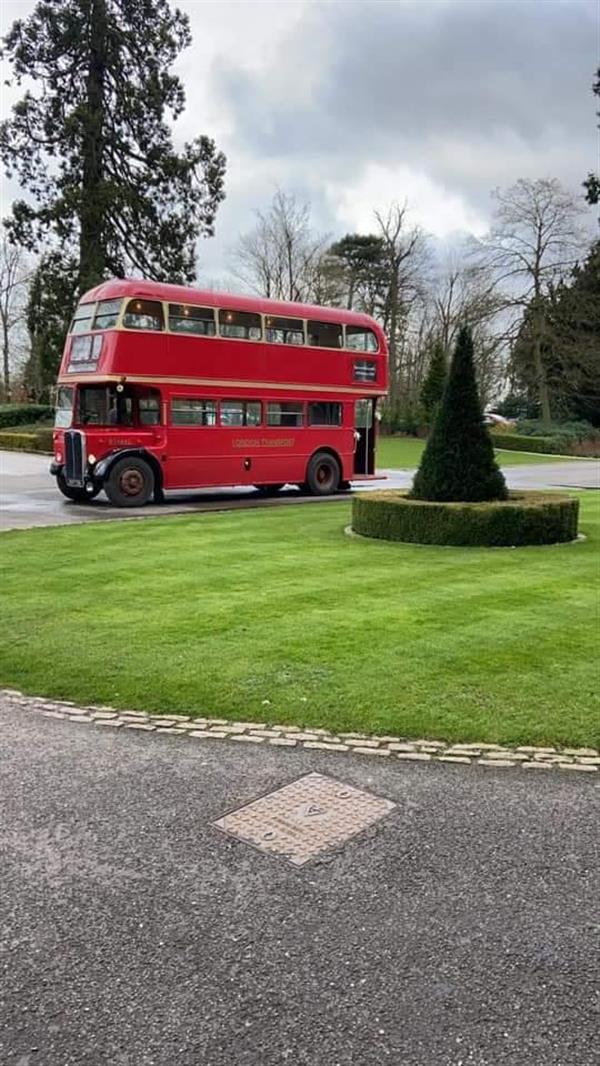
355	104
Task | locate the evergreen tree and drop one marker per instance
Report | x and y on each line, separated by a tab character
92	146
592	182
52	299
570	348
433	385
458	462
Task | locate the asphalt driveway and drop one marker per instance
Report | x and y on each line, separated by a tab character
29	497
461	929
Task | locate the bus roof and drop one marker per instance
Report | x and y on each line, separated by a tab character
182	294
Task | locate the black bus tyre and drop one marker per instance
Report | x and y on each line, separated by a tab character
73	493
323	474
130	483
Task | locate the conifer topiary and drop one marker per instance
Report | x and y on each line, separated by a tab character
433	386
458	463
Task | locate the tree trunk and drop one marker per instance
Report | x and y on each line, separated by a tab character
5	360
92	258
538	362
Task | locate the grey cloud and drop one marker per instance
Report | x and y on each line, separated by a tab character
391	81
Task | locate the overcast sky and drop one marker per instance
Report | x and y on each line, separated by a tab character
356	103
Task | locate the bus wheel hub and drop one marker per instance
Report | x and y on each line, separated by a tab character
132	482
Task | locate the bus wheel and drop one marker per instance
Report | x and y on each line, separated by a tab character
323	474
130	483
269	490
77	495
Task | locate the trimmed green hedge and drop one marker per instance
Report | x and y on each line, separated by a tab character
513	442
20	414
525	518
40	441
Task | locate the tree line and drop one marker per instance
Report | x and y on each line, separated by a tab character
109	194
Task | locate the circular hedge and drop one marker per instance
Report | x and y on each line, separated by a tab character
524	518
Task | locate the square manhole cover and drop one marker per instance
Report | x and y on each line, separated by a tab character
305	818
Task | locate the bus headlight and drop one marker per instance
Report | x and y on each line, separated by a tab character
58	457
91	460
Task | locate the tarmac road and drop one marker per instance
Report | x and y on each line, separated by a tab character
462	930
29	497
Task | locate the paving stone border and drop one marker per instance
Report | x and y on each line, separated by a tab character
578	760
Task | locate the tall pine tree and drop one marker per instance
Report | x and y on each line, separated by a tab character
432	388
91	144
458	462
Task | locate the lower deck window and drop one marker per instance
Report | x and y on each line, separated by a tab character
240	413
63	416
324	414
104	405
149	409
194	412
284	414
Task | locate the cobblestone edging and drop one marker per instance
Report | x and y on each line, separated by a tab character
580	760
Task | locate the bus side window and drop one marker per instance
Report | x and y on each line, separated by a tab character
143	314
191	412
285	330
149	410
186	318
324	414
324	334
285	414
360	339
240	412
240	325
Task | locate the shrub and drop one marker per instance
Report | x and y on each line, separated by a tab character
513	442
458	462
40	441
20	414
574	430
524	518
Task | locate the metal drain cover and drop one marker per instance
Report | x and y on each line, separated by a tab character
303	819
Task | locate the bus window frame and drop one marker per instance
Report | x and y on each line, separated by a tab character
121	327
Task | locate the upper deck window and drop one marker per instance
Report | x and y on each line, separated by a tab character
360	339
184	318
284	330
324	334
107	313
82	319
240	325
143	314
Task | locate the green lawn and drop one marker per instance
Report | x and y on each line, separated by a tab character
403	453
218	613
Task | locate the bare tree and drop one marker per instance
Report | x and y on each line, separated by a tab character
281	257
14	277
533	244
405	254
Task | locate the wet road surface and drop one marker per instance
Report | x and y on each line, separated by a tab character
29	497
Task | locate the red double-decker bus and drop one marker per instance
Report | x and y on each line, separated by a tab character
166	387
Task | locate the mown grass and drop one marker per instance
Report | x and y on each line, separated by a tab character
220	613
404	453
